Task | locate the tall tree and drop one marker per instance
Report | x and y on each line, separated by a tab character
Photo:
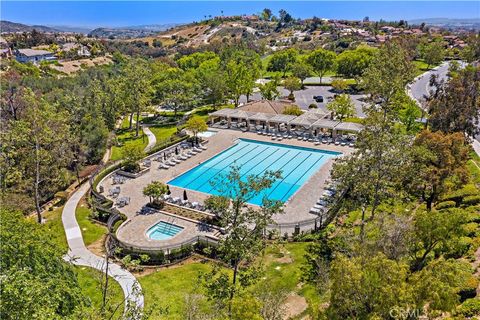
176	89
301	70
321	61
342	106
352	63
440	164
42	151
138	89
282	61
455	105
244	226
433	53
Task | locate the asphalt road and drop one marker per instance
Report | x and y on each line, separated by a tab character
303	98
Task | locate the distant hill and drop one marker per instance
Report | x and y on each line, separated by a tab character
473	23
73	29
130	32
8	26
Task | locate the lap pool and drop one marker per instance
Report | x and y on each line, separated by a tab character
297	165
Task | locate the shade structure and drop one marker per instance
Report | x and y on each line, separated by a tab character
222	112
240	114
325	124
349	126
259	116
282	118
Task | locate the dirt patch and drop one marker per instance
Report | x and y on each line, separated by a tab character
284	260
151	269
70	67
98	247
295	305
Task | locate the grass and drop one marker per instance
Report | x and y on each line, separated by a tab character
55	228
168	287
91	231
163	133
126	137
89	282
421	67
473	166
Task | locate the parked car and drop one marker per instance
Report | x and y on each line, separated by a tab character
318	98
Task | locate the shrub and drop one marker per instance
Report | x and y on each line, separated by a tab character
117	225
470	308
458	195
293	110
445	204
312	106
471	200
62	196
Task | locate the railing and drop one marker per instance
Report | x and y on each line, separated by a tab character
167	248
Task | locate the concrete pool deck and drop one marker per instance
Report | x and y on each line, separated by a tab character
296	208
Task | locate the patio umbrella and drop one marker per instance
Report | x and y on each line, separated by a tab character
176	150
168	190
185	195
164	156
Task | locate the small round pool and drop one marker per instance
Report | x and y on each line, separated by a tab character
207	134
163	231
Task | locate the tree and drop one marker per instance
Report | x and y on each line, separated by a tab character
137	88
244	228
38	145
292	84
342	106
301	70
154	191
269	90
194	60
36	282
387	75
439	165
282	61
212	82
321	61
132	153
352	63
176	89
339	85
455	106
433	53
195	125
408	115
293	110
266	14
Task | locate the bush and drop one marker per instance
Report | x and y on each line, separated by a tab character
117	225
313	106
470	308
445	205
62	196
471	200
458	195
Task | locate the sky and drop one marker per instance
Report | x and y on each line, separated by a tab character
131	13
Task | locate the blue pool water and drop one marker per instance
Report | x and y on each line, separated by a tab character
296	164
163	231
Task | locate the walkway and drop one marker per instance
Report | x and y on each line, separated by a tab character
78	254
152	140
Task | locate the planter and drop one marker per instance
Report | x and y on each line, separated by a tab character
132	174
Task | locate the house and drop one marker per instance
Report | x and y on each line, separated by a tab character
80	49
34	56
266	106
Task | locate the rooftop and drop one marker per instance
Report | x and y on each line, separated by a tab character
33	52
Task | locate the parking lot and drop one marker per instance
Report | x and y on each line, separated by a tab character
303	98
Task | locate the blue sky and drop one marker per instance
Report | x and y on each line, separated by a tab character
128	13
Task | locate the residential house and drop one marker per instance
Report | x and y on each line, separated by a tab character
34	56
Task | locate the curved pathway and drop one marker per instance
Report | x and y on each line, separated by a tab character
78	254
152	140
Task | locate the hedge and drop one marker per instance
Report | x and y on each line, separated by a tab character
458	195
446	204
471	200
470	308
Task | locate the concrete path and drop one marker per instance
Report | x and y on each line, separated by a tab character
78	254
152	140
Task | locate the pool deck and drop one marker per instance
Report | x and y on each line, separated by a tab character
296	208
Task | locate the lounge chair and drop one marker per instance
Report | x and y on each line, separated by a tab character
315	211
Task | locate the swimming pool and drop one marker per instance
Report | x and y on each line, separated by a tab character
207	134
163	231
297	165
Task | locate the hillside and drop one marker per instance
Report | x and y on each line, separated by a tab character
129	32
8	26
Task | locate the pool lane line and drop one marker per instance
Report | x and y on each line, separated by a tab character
291	171
221	170
208	168
276	149
301	177
277	183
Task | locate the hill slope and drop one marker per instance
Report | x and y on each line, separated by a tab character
8	26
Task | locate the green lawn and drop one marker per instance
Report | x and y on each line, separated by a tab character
421	67
91	231
168	287
126	137
474	167
163	133
89	282
55	227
